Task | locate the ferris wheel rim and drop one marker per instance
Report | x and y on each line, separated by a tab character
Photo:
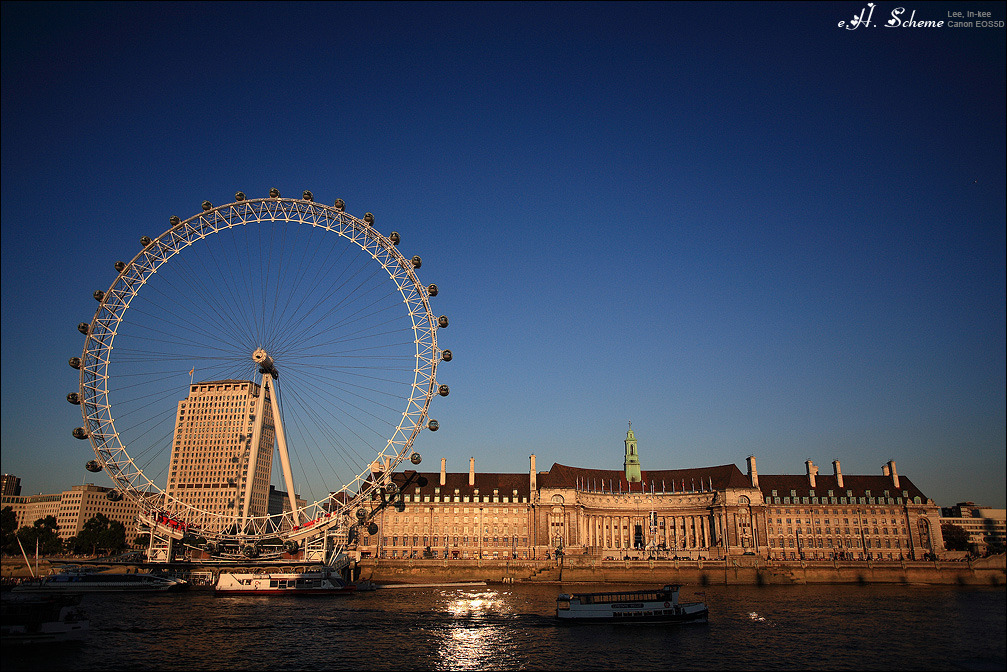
97	411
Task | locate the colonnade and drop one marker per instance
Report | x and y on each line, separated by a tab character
619	531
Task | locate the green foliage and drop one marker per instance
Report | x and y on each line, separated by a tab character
99	534
44	532
956	538
9	527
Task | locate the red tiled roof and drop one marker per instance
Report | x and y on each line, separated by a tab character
485	483
667	480
858	485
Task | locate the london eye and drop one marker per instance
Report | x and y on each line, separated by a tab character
255	374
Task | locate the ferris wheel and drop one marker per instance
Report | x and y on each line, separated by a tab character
180	384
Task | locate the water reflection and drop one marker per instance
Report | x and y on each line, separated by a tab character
477	638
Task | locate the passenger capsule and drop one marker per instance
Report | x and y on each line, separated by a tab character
369	218
307	196
446	355
400	505
175	221
443	390
120	266
361	514
145	241
417	262
391	489
250	551
339	205
274	193
394	237
98	295
83	327
75	362
432	290
73	398
421	481
113	496
292	546
239	196
442	321
415	458
433	425
372	528
93	466
207	206
80	433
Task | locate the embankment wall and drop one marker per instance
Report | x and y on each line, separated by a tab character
989	571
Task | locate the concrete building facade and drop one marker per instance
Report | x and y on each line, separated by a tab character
987	527
74	507
223	429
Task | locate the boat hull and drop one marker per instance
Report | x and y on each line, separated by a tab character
287	583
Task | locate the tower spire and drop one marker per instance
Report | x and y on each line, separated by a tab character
632	461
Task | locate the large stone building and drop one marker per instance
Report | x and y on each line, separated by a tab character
74	507
223	430
705	512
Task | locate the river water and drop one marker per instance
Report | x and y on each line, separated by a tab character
514	628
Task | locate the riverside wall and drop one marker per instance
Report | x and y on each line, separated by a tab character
743	571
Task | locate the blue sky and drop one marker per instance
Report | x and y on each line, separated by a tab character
742	227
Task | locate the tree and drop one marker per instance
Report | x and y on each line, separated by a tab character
44	532
9	525
100	534
956	538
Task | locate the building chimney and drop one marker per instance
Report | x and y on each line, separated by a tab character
444	476
884	470
812	472
472	471
533	478
895	474
838	472
753	475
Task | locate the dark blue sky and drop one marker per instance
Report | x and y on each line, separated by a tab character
746	229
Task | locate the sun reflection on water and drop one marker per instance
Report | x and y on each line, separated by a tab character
475	637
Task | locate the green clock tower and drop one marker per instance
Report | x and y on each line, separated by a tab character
632	462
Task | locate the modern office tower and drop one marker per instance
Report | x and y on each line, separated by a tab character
10	486
222	451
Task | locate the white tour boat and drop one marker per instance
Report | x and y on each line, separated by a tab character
76	580
659	605
322	581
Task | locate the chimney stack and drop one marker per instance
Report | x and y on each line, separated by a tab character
884	470
838	472
753	475
812	472
472	471
444	476
533	478
895	474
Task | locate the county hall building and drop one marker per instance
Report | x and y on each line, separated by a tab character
708	512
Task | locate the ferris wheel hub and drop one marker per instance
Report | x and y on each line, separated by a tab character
265	362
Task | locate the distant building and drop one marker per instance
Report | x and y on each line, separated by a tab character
74	507
987	527
705	512
10	485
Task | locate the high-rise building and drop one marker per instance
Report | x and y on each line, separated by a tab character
74	507
222	451
10	485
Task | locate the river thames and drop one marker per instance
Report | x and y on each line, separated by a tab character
514	628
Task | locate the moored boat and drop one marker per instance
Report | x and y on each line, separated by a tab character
323	581
83	581
658	605
42	619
